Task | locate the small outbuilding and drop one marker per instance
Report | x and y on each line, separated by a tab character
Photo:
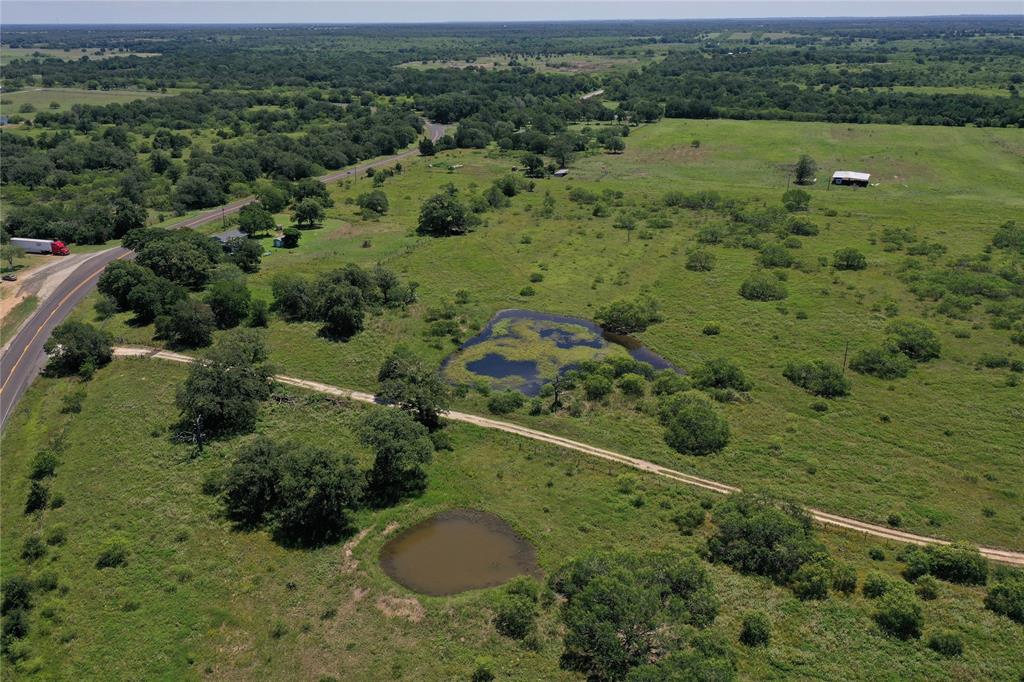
561	172
851	178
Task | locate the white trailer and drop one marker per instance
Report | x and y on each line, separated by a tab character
50	246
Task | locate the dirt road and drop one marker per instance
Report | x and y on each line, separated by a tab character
824	518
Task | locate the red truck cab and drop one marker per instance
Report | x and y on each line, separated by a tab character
59	248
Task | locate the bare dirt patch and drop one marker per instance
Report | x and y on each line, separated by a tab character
390	528
408	608
348	562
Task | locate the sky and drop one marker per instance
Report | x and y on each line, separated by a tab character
412	11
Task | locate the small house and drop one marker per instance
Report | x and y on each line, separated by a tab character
561	172
851	178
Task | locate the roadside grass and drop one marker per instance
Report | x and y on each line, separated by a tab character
13	319
198	599
940	448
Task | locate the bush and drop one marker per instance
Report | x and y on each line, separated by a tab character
113	554
721	373
38	496
811	581
849	259
258	314
17	594
505	402
914	340
482	672
802	227
927	587
700	261
1006	598
57	535
876	584
756	630
628	317
844	578
632	384
689	519
516	616
899	613
15	626
711	329
819	377
796	200
881	362
72	402
763	287
946	642
692	426
959	564
756	536
775	256
596	386
669	381
44	465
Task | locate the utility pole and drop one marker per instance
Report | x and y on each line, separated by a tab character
846	352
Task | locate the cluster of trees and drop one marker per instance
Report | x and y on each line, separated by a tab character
907	342
340	299
629	317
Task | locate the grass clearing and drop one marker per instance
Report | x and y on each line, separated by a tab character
42	98
198	599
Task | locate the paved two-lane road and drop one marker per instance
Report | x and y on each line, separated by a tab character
24	357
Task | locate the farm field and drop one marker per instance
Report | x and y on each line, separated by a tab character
904	447
198	599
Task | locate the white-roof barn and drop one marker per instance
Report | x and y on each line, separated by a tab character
851	178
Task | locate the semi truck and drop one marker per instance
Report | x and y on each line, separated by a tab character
52	246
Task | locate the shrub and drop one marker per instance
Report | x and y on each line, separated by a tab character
17	594
527	291
632	384
914	340
46	581
597	386
775	256
1006	598
927	587
721	373
516	616
32	548
38	496
819	377
689	519
763	287
259	313
669	381
113	554
946	642
700	261
628	317
756	536
960	564
711	329
756	630
802	227
881	362
811	581
44	464
692	426
849	259
57	535
15	627
876	554
876	584
899	613
482	672
505	402
796	200
844	578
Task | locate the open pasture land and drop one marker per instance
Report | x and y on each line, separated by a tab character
199	599
563	63
42	98
940	449
8	53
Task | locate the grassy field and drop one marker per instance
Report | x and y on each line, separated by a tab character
940	448
41	98
200	600
7	53
567	63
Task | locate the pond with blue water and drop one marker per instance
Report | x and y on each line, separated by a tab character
522	350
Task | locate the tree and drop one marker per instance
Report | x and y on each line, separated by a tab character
272	198
376	202
340	307
228	300
293	296
188	323
194	192
153	296
427	147
534	166
692	426
223	390
127	216
1006	598
245	253
254	219
561	150
805	170
17	594
182	262
290	238
251	486
628	317
74	346
319	490
849	259
308	213
614	145
407	381
883	363
762	286
443	215
9	253
700	261
118	280
754	535
757	629
819	377
401	447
